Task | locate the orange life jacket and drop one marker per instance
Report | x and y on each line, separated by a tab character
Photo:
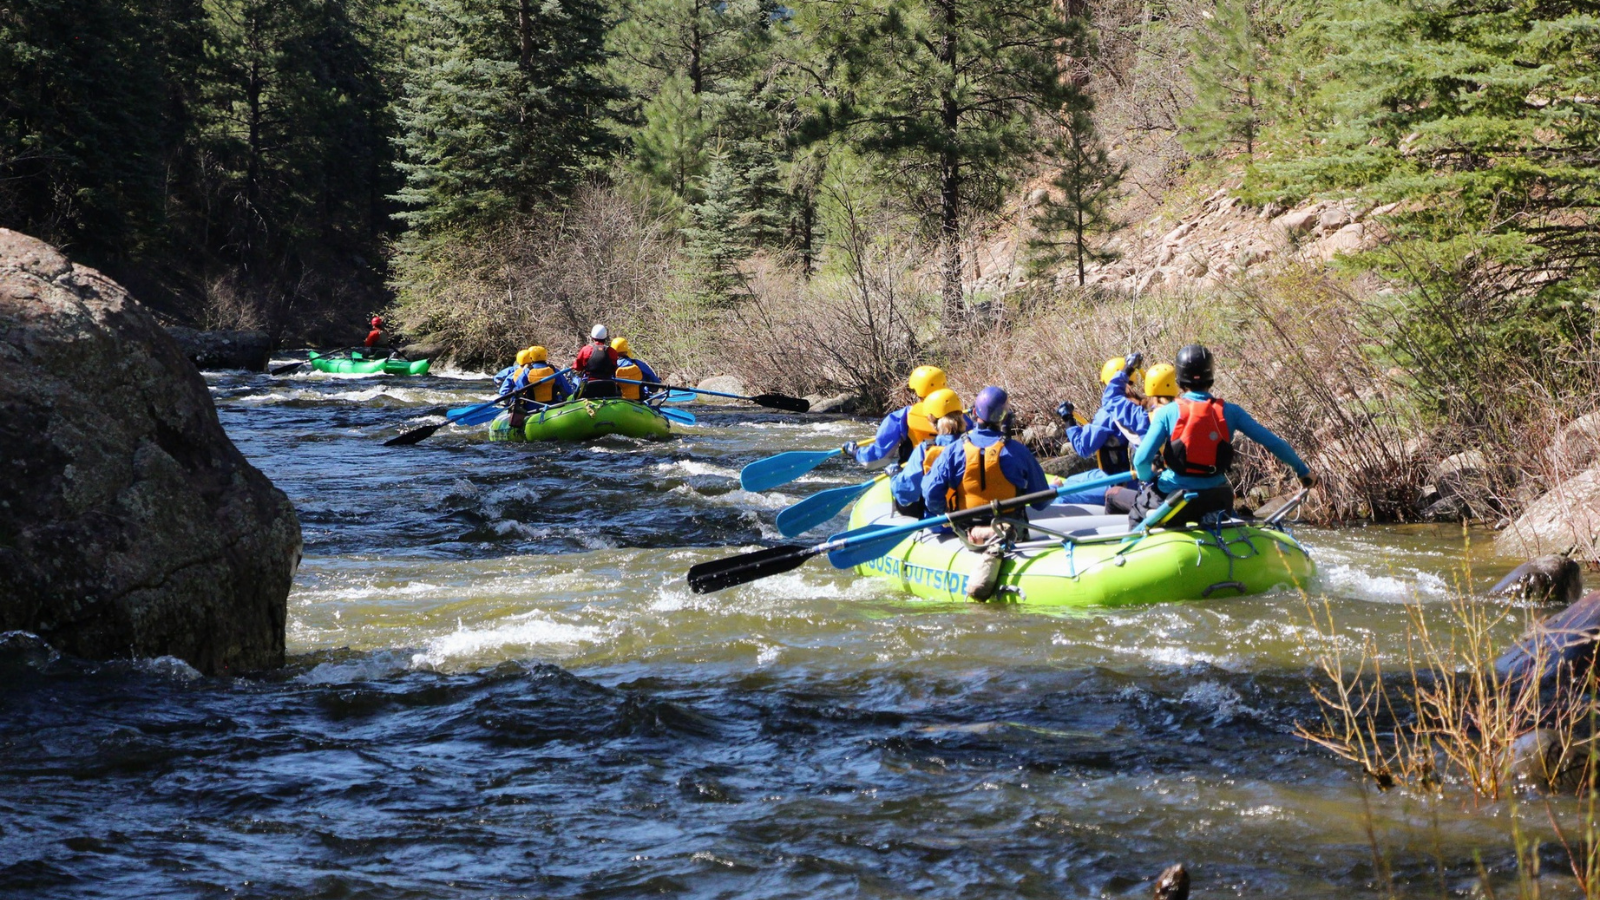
631	372
1200	444
544	393
930	455
983	482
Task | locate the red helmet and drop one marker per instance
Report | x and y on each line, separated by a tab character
377	321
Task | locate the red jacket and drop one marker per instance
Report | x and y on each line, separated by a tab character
580	365
373	336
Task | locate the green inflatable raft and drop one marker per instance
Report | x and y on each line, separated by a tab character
578	420
1096	565
356	364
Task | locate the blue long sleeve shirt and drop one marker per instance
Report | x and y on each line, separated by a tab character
906	485
1239	422
645	373
1115	409
502	376
1016	464
891	431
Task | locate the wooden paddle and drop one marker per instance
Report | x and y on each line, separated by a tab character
855	547
462	415
771	401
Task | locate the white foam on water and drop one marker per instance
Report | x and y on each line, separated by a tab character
695	467
530	631
740	498
1399	586
372	667
1222	702
366	592
169	667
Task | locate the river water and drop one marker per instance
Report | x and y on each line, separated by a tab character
500	686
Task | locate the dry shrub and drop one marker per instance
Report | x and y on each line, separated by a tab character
604	257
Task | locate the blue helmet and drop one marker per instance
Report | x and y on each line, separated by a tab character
990	407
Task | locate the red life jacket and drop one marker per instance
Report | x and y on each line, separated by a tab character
1200	444
373	336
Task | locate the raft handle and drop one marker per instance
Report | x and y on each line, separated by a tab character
1236	585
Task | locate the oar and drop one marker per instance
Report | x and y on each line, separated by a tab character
853	547
771	401
682	417
766	474
821	506
284	370
677	396
462	415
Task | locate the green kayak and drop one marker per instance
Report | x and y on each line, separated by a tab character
1097	565
356	364
578	420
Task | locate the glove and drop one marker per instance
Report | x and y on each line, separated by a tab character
1132	361
1065	412
1308	480
848	451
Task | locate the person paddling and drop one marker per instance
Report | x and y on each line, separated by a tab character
1160	388
944	412
902	430
633	369
1108	437
1193	436
375	335
597	365
984	466
533	366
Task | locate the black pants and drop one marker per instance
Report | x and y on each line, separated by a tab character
598	390
1120	499
1210	500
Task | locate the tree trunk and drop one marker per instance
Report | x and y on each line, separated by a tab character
950	176
525	36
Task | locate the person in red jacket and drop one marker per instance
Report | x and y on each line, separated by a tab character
597	365
376	334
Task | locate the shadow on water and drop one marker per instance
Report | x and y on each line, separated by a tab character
500	687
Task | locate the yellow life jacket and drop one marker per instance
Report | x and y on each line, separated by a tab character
983	482
631	372
546	392
918	429
930	455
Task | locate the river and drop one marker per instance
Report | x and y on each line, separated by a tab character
500	686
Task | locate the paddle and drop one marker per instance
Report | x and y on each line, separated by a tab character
682	417
766	474
821	506
771	401
853	547
677	396
284	370
468	415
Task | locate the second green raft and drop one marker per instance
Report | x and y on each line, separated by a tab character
1096	565
579	420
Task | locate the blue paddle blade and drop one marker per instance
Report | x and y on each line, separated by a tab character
819	508
868	543
682	417
766	474
678	397
487	414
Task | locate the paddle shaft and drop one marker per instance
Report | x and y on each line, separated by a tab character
418	435
772	401
822	506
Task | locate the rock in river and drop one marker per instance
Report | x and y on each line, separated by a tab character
129	524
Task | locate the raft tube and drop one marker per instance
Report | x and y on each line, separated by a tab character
1098	567
357	365
578	420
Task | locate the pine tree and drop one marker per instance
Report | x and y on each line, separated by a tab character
670	147
1079	207
504	108
1229	74
948	93
715	239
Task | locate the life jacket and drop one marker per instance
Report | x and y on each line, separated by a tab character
1112	457
373	337
599	366
1200	444
918	430
930	455
983	482
628	370
546	392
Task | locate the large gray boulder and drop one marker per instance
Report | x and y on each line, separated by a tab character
1565	519
129	524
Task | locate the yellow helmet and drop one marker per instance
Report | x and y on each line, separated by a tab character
537	353
524	357
941	403
1161	381
925	380
1113	366
621	346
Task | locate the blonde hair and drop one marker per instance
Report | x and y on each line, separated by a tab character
954	423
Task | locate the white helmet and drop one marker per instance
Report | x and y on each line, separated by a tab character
599	333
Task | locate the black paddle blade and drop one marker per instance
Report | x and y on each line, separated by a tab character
415	435
747	567
283	370
785	403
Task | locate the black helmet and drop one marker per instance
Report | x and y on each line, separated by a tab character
1194	368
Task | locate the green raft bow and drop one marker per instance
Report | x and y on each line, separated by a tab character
580	420
356	364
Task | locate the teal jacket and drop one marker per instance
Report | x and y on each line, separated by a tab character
1239	422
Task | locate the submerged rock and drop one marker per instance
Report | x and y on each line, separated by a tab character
1559	651
1173	883
1543	579
130	526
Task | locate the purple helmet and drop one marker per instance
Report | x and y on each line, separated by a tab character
991	405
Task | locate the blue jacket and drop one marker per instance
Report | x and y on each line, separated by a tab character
1016	464
645	373
891	431
906	485
1239	422
1115	409
501	376
563	387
